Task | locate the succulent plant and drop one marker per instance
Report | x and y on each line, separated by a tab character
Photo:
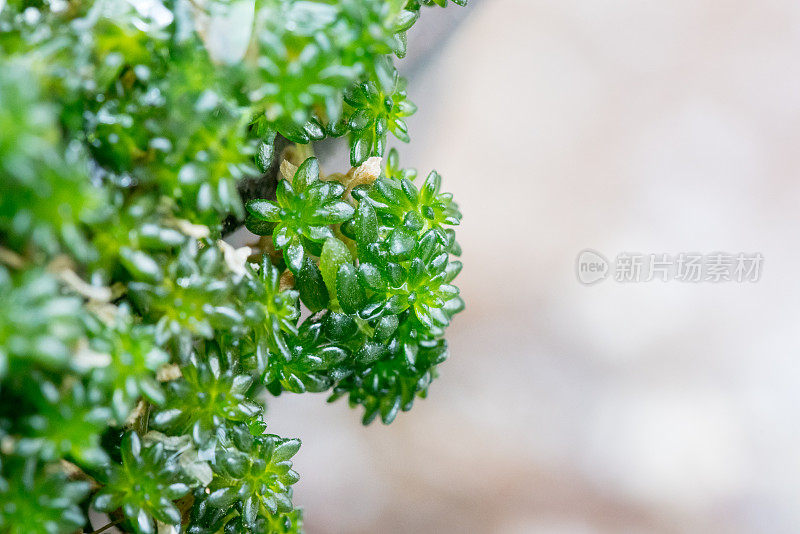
143	485
137	346
302	213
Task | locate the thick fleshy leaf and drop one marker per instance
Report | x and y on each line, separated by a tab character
348	290
223	498
285	450
311	285
306	174
264	210
294	255
360	148
401	242
334	254
140	265
366	223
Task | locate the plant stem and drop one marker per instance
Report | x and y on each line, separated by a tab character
108	526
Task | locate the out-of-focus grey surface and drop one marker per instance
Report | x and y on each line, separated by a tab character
623	125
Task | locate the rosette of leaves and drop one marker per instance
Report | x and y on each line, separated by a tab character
67	421
331	46
36	497
374	114
399	202
272	313
45	195
400	273
253	480
301	71
39	325
201	142
408	210
207	402
125	58
302	214
404	251
191	296
134	359
166	120
144	486
315	362
368	30
391	384
131	233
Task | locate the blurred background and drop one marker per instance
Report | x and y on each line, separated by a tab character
622	125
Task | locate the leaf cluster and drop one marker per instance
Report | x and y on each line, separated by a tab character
136	345
377	277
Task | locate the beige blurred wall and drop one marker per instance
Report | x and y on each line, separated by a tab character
664	407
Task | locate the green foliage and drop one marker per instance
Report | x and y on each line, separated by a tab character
374	113
38	324
67	422
304	71
206	403
251	485
311	365
135	358
45	191
303	213
381	341
392	383
136	345
273	314
143	485
38	497
190	296
399	203
300	72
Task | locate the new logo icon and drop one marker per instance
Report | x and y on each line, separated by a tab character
591	267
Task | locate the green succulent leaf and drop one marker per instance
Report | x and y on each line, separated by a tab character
311	286
334	254
135	357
